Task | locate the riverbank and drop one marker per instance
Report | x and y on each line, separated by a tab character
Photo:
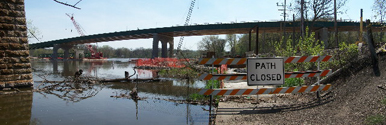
353	99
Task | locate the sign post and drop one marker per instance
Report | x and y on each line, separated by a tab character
265	71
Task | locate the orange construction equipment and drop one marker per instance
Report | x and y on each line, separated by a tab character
162	62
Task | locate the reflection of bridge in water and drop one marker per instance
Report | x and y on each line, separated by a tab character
68	68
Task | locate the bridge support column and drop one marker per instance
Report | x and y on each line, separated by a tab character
164	40
164	49
66	49
155	46
54	55
79	52
171	48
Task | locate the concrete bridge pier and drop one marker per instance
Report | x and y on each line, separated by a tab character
79	52
171	48
164	40
155	46
66	49
164	49
54	55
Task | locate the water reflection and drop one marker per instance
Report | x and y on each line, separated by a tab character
98	68
166	88
69	91
98	107
15	109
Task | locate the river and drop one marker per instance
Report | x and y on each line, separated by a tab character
97	105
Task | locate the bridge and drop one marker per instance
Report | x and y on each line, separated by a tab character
167	34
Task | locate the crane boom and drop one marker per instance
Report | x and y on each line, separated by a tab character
186	24
80	31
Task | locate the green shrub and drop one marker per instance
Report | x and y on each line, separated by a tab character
376	120
196	96
212	83
383	101
306	46
289	82
309	46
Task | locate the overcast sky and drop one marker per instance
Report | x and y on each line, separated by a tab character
103	16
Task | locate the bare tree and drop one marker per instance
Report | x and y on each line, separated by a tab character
232	42
205	44
214	44
33	32
379	8
316	10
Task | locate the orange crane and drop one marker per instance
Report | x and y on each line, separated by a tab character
94	55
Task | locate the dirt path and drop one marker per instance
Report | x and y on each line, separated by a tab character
351	100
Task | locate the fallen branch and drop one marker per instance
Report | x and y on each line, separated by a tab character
382	86
74	6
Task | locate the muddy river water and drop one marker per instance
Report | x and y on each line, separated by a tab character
97	106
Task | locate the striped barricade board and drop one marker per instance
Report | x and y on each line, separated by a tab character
243	61
240	61
282	90
244	76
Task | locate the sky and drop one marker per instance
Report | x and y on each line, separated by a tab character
103	16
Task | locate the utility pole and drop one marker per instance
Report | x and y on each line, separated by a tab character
284	15
302	18
293	29
336	25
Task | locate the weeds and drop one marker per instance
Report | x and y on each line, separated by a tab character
178	72
376	120
383	101
293	82
211	84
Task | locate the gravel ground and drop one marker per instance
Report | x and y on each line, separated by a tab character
351	100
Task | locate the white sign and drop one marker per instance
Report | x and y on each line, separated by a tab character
265	71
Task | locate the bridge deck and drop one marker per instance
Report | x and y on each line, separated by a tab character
198	30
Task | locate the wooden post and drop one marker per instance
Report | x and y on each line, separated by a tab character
126	74
370	43
336	25
257	41
250	39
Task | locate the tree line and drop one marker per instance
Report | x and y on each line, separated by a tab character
111	52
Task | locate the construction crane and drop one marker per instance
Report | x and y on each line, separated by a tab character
80	31
186	24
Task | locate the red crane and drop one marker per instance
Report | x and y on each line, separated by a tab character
80	31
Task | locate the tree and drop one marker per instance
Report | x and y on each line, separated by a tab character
107	51
318	9
315	10
214	44
243	44
122	52
232	42
379	8
33	32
